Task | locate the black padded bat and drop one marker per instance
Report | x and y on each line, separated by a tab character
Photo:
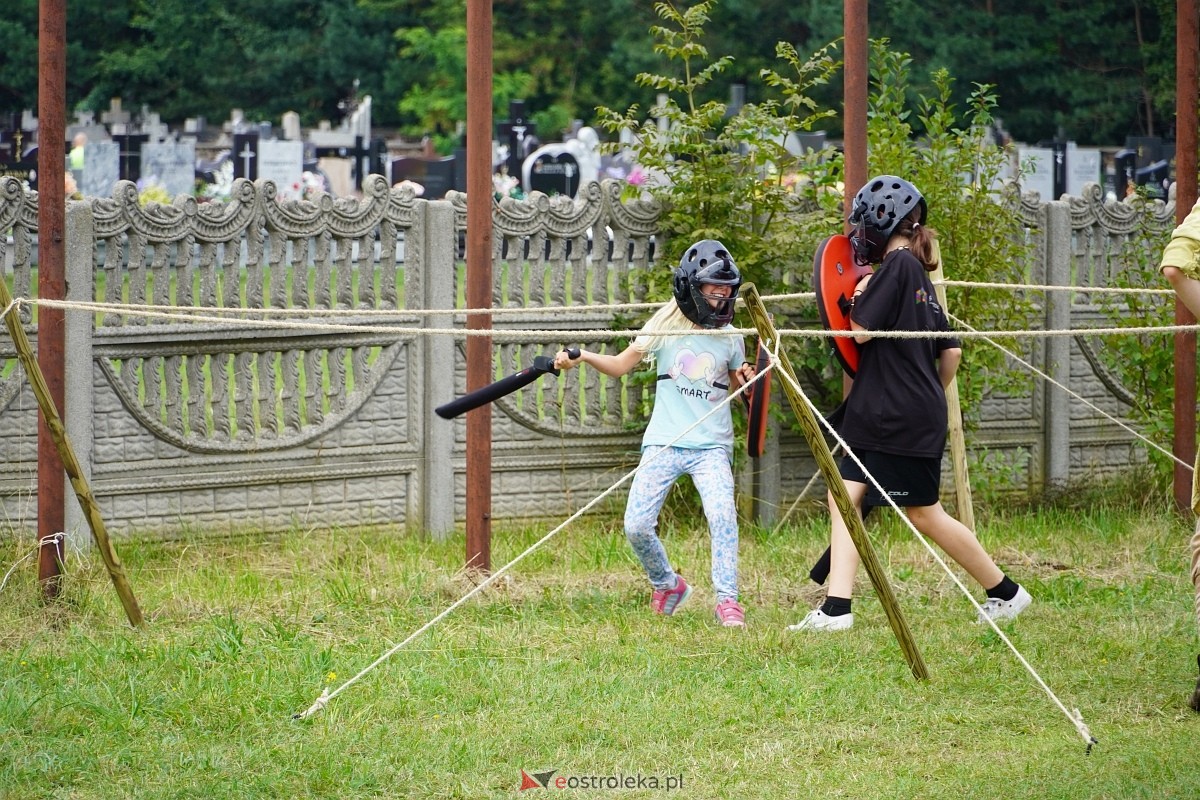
502	387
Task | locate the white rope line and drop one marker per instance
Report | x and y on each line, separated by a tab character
328	695
52	539
304	311
13	304
1051	287
1076	718
591	335
1075	395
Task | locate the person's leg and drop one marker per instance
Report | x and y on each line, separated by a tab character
843	555
713	477
647	493
1005	598
958	541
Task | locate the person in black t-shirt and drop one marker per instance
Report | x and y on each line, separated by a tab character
894	418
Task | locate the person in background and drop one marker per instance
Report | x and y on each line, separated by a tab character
1180	265
75	157
894	418
695	373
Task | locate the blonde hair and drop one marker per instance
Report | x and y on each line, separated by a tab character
667	320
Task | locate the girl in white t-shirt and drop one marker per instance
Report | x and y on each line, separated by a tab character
695	373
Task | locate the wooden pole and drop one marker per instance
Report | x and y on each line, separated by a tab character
479	280
854	92
70	462
52	281
816	442
958	440
1187	34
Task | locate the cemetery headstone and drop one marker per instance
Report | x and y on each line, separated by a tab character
101	168
552	170
1083	166
291	127
437	175
1126	167
129	155
170	164
282	162
1058	162
1037	171
116	118
245	156
517	131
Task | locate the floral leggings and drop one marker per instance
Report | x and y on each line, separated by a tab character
714	480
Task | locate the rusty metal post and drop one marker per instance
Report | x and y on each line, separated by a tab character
479	280
855	76
1187	40
52	281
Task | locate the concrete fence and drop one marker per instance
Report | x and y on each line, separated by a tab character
259	422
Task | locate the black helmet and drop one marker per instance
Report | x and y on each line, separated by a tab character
706	262
878	208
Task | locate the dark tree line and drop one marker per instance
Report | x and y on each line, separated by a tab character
1094	71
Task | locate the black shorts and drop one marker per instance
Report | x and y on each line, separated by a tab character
908	480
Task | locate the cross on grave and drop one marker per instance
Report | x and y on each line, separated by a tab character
245	155
84	118
518	130
359	153
116	118
129	155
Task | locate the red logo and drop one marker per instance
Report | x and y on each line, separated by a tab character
537	780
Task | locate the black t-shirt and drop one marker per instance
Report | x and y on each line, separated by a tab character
897	404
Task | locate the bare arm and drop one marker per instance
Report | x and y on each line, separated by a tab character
948	363
612	365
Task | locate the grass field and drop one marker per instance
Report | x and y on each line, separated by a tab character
562	667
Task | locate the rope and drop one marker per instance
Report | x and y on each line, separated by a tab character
1053	287
9	308
1074	394
328	695
606	334
52	539
1074	716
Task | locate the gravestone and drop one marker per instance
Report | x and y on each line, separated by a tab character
153	126
172	165
1126	167
339	171
1083	166
101	168
282	162
116	118
291	127
518	132
1037	171
436	175
552	170
129	155
245	156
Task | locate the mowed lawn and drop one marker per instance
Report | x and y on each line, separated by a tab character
561	668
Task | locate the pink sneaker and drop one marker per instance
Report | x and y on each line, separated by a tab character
730	614
667	601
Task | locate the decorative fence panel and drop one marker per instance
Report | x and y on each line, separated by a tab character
271	410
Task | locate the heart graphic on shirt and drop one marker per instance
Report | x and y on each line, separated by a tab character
694	366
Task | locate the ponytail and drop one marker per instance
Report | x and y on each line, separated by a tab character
921	241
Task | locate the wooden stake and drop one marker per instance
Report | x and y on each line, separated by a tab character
958	441
816	441
70	463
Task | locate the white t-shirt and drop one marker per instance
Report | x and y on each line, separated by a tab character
693	377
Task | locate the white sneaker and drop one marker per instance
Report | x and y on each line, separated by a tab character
818	620
1003	610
